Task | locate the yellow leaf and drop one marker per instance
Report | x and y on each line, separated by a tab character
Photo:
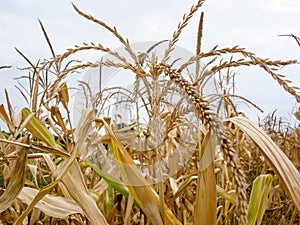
205	209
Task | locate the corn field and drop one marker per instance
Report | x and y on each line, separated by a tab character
185	155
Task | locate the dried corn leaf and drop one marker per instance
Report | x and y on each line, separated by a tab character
83	127
9	106
35	216
57	117
80	194
259	198
76	187
4	116
283	167
136	184
36	77
17	180
139	188
64	95
34	171
55	206
74	181
41	148
45	190
205	209
128	210
71	176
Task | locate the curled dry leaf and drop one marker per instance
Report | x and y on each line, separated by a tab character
76	187
69	173
17	180
4	116
64	94
58	118
55	206
281	164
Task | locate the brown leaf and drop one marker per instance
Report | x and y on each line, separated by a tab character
63	94
4	116
57	117
17	180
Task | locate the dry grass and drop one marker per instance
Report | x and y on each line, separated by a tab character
185	165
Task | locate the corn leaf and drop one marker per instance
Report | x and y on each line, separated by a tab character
205	210
108	201
108	179
16	182
74	187
4	116
57	117
139	188
38	129
45	190
258	198
35	95
74	181
10	109
281	164
55	206
40	148
64	94
69	173
77	189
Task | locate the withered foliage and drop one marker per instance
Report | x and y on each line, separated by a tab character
193	161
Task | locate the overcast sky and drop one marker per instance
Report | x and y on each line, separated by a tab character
254	25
